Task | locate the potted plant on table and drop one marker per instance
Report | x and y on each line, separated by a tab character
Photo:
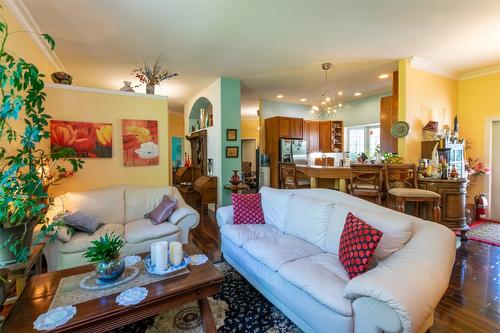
105	252
26	168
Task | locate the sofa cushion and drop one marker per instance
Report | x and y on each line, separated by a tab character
80	241
308	218
275	205
82	222
323	277
163	211
242	233
106	205
143	230
397	228
274	252
143	199
358	241
247	208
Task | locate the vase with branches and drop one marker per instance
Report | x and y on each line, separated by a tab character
27	168
153	75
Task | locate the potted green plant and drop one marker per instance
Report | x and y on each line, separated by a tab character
105	252
27	169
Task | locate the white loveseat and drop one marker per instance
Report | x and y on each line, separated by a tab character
122	209
293	261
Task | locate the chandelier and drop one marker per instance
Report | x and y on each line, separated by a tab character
325	107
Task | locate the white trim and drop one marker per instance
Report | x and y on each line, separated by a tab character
481	72
422	64
103	91
27	22
488	151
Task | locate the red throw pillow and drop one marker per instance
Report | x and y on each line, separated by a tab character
358	241
247	209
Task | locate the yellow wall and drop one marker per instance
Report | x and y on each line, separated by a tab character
423	96
250	129
66	103
478	99
21	45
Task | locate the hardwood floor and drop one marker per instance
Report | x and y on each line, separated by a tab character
470	305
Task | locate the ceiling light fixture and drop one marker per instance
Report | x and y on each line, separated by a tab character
325	106
279	96
340	93
383	76
303	99
357	94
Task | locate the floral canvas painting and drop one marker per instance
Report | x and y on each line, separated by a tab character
140	142
81	139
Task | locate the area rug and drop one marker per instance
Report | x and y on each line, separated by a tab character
485	232
239	307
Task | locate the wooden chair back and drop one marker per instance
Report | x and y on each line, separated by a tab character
367	176
288	175
246	168
401	175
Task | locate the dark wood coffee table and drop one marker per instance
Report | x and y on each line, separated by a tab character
103	314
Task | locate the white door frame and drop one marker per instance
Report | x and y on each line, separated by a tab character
488	151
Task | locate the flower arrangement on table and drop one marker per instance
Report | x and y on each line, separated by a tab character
152	75
105	252
475	168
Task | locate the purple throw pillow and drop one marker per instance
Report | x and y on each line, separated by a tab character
163	211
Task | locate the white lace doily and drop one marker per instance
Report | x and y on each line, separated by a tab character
131	260
54	318
132	296
198	259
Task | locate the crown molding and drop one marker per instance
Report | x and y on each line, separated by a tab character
425	65
103	91
481	72
27	22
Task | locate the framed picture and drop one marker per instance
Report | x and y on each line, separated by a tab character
232	151
81	139
231	134
140	142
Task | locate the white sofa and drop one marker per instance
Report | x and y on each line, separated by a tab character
293	261
122	209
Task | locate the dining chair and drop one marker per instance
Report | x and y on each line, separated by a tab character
367	181
401	183
289	177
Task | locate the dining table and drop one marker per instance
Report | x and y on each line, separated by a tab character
316	172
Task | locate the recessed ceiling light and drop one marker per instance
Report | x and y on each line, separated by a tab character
303	99
358	94
340	93
279	96
383	76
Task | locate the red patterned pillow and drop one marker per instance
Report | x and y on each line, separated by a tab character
358	241
247	209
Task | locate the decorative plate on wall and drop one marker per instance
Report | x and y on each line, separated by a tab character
400	129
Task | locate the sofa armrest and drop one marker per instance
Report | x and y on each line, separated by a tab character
181	212
413	279
374	316
224	215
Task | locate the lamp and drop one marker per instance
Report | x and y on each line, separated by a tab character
325	106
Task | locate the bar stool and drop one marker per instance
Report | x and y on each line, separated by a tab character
401	181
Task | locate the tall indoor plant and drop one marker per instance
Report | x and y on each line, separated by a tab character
26	168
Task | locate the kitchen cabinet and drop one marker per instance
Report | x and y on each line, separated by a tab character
313	143
290	128
325	136
306	133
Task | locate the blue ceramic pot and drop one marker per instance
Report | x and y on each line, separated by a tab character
109	271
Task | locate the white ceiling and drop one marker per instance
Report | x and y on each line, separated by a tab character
272	47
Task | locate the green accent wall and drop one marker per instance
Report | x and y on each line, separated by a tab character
230	118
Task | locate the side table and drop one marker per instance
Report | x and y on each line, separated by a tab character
236	188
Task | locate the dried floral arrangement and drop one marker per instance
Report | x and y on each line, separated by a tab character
152	75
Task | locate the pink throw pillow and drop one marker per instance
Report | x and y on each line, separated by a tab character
163	211
247	209
358	242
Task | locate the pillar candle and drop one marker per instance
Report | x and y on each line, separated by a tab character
176	253
161	256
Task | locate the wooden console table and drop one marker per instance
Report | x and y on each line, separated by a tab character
453	201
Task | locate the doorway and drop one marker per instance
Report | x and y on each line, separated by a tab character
248	147
495	172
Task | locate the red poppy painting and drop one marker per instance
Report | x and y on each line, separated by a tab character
140	142
81	139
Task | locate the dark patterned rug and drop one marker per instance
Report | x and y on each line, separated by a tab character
239	307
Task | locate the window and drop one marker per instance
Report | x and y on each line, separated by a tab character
362	139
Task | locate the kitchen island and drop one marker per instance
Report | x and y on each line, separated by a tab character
316	172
